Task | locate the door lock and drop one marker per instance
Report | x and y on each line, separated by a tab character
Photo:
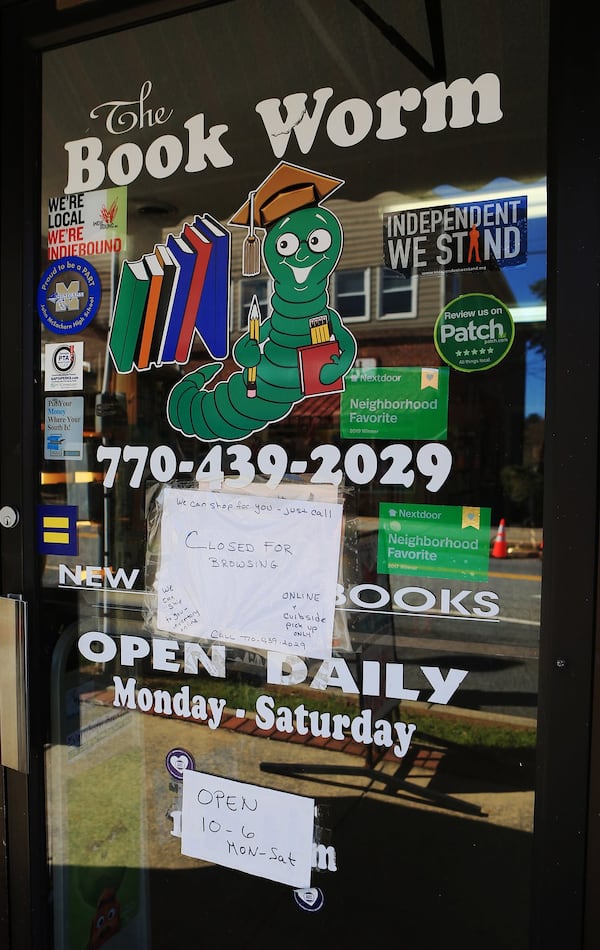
9	517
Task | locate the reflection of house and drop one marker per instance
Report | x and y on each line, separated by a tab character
392	318
372	298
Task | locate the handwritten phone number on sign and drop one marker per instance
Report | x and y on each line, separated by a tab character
395	464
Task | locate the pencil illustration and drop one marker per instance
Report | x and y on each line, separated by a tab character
254	333
319	329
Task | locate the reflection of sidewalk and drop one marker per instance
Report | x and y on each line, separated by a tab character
521	542
479	778
498	783
423	869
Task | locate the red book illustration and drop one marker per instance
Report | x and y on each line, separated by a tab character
311	360
203	248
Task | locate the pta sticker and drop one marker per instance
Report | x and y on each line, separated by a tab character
474	332
63	366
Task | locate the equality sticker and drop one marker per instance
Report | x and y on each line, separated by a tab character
68	295
474	332
57	529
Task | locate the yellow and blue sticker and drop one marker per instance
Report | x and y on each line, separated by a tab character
57	529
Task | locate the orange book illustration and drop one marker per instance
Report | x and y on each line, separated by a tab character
155	271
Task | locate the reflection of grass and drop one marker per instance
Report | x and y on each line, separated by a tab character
104	828
444	727
458	730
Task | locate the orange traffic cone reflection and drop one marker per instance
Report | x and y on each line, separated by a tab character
499	549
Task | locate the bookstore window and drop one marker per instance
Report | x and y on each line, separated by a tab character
259	287
527	282
397	295
351	294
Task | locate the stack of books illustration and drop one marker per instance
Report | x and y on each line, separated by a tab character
165	298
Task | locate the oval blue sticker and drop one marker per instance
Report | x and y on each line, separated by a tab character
68	295
309	898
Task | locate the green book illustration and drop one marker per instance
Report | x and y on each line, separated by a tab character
128	314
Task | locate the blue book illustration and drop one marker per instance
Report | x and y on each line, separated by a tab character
212	321
185	257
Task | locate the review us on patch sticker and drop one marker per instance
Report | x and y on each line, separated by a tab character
434	540
474	332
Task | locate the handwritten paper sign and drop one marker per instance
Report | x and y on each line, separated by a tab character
256	830
249	570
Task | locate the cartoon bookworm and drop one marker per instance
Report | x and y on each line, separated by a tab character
303	348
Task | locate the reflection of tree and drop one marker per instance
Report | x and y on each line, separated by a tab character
523	485
538	288
537	336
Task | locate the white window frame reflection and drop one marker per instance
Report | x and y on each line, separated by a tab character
405	289
353	303
262	287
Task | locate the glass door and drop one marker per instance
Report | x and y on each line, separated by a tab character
290	319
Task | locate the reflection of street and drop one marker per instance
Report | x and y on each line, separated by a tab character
500	652
366	827
367	823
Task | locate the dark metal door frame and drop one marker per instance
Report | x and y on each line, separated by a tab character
567	828
568	838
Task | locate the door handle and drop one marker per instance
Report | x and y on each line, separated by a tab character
14	726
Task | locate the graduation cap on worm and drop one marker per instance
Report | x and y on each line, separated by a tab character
287	188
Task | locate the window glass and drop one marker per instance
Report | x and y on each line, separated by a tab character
396	294
352	294
291	501
250	288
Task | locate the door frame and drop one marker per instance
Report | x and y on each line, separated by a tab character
567	841
24	851
569	700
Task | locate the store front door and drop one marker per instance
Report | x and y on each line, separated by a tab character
277	548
